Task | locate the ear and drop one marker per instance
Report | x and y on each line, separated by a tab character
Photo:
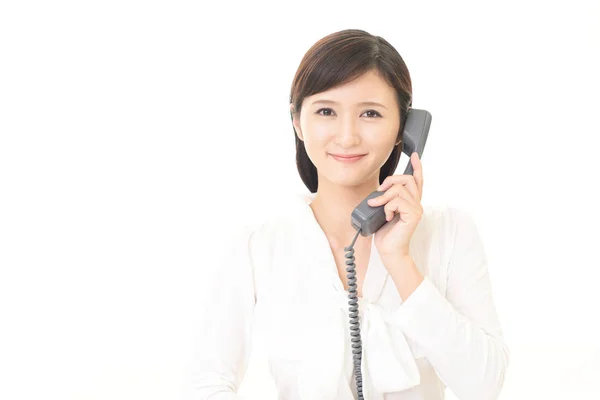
398	139
296	123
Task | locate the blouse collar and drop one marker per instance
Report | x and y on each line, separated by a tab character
376	275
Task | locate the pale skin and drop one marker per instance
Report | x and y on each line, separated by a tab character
346	126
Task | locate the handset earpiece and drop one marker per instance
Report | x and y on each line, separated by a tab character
414	135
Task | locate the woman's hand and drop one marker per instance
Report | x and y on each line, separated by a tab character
403	197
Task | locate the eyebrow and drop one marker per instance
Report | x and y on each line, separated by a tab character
367	103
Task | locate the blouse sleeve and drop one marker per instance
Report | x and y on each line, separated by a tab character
460	333
221	345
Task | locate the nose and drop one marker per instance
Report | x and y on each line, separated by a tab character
347	134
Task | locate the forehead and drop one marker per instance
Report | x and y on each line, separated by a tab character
369	86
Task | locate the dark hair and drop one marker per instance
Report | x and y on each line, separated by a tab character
339	58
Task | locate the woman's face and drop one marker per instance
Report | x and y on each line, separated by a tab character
339	122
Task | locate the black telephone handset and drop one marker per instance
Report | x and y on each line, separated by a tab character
370	219
367	220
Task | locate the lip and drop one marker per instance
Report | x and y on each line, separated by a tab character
347	159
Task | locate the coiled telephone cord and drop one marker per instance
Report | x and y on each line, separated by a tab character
354	319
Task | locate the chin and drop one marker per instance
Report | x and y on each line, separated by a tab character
355	179
340	175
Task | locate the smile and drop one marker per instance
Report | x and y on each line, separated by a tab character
347	159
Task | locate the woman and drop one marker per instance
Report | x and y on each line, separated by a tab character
427	317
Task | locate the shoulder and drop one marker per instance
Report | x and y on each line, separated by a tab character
435	225
444	221
280	223
442	228
455	228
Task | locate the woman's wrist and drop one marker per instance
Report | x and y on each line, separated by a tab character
404	272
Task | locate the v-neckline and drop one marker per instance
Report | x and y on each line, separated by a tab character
376	274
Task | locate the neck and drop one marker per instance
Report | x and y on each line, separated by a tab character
333	205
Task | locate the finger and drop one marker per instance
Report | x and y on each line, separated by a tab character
387	196
407	180
401	206
396	190
418	172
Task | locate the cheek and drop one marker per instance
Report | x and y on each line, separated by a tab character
319	131
316	135
379	138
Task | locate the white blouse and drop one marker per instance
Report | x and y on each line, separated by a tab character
279	295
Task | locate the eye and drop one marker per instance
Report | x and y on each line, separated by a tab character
377	115
324	109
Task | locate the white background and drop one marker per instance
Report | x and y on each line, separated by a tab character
134	136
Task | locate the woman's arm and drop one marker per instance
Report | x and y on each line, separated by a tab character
221	346
460	334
